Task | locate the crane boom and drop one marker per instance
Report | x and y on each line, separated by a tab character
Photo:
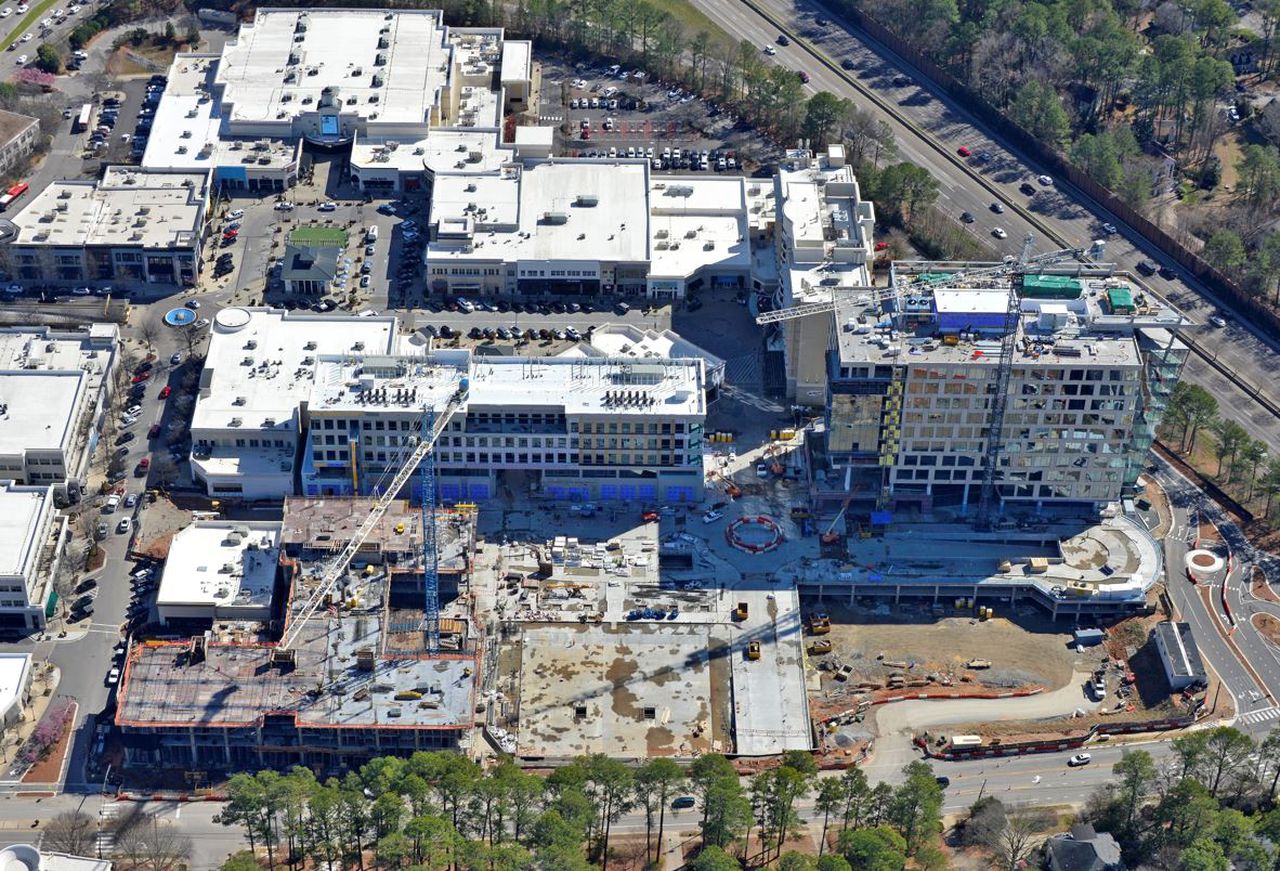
335	569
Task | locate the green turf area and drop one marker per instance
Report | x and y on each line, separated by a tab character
693	21
33	16
319	236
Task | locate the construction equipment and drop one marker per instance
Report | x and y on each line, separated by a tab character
753	650
819	624
818	648
978	663
285	654
740	612
830	536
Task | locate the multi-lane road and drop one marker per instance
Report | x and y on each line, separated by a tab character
930	128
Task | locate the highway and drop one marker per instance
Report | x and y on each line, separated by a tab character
929	128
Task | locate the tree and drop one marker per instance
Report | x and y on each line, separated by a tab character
1192	407
1227	751
875	849
71	832
1225	250
916	809
714	859
1270	755
656	782
1037	109
905	189
1136	772
610	784
832	796
822	112
1259	178
48	59
1229	437
1271	484
148	332
145	844
240	861
1252	455
1203	855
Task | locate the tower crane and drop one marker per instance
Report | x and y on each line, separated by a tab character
1019	265
285	653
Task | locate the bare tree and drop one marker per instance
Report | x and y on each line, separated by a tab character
143	843
1016	840
71	832
148	332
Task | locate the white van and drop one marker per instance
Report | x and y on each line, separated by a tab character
372	233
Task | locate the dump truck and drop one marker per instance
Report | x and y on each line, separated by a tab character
818	648
740	612
819	624
753	650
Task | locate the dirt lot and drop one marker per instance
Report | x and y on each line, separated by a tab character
1024	650
1269	626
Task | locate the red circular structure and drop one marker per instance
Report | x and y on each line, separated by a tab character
754	534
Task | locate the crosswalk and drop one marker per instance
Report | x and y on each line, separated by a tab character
1260	716
107	814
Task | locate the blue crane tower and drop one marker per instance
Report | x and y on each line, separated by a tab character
430	559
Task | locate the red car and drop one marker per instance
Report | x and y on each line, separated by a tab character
881	246
165	391
649	517
804	77
963	151
140	377
143	465
230	234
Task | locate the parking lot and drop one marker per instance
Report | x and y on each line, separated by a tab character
608	111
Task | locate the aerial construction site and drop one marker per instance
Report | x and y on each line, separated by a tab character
964	501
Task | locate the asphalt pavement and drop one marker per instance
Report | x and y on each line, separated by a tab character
969	186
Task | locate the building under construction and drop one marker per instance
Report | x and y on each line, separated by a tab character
360	681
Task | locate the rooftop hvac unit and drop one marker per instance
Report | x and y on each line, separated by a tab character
268	421
555	218
235	421
661	234
588	200
691	234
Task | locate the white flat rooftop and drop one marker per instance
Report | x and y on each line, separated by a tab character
279	344
222	564
591	210
186	132
129	207
279	65
575	385
442	151
38	409
20	530
14	668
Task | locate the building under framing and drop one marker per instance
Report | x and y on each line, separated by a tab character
363	684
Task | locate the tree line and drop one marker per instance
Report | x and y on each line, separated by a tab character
1210	805
1244	465
440	810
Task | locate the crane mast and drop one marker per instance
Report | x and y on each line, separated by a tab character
285	653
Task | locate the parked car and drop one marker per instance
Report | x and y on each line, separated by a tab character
1079	759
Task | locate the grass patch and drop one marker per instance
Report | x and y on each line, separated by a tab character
33	16
319	236
694	20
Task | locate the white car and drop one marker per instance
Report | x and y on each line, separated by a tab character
1079	759
123	527
1218	321
768	49
133	410
235	214
999	233
193	304
27	37
6	12
283	207
113	676
1045	180
712	516
22	59
200	324
327	207
22	7
128	420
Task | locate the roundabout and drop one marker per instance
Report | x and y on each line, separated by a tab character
179	317
754	534
1205	561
